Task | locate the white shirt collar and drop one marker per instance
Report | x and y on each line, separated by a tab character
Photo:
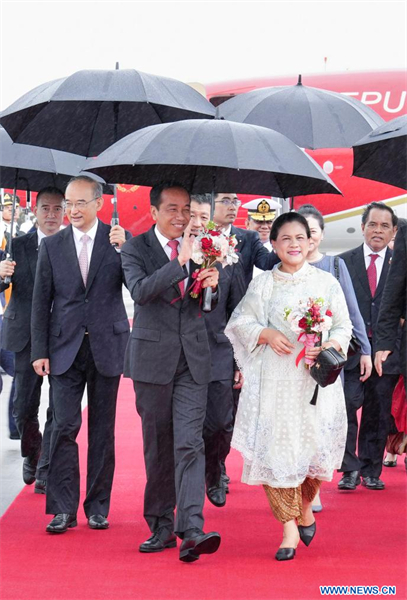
40	235
226	230
162	239
368	251
91	233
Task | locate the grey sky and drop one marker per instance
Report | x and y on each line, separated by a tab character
196	41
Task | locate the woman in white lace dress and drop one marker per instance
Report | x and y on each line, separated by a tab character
288	445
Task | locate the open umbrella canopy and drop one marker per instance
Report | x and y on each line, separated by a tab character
213	155
36	168
310	117
382	154
88	111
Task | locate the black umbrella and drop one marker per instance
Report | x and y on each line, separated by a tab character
218	155
310	117
88	111
36	168
382	154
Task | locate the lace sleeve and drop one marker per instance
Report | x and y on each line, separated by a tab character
341	330
249	319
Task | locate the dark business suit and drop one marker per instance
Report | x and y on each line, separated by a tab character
393	305
16	337
253	252
375	394
84	332
168	359
220	407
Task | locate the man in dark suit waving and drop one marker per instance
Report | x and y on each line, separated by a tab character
368	267
49	212
169	360
79	333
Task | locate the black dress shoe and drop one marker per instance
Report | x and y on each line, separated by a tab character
14	435
349	481
29	469
155	544
40	486
217	494
307	533
98	522
285	553
61	523
199	543
373	483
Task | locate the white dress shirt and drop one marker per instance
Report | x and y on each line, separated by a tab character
77	235
40	236
379	261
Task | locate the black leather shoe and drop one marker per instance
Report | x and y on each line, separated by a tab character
349	481
307	533
217	495
61	523
29	469
285	553
201	543
14	435
98	522
373	483
40	486
155	544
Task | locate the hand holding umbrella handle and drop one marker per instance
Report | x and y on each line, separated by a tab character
7	279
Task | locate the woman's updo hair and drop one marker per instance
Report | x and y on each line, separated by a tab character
289	217
308	210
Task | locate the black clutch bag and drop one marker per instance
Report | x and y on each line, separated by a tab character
327	367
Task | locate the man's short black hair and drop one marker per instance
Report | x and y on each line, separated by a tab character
380	206
50	190
202	198
156	191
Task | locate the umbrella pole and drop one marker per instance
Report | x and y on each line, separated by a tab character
10	244
115	214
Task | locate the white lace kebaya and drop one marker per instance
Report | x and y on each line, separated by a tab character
282	437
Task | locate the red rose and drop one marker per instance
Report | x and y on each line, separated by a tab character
206	243
302	323
328	313
215	233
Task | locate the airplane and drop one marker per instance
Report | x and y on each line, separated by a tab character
384	91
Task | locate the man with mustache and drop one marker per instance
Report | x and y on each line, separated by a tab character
368	267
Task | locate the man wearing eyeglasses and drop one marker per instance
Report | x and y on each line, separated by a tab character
16	336
79	334
252	251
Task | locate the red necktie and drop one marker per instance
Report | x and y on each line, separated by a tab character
372	274
173	244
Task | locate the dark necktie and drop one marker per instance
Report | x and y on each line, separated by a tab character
372	274
173	244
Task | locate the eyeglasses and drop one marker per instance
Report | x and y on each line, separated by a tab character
80	205
228	202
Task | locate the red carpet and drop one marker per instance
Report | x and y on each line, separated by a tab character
361	540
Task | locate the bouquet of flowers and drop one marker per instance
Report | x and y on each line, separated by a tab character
212	246
309	320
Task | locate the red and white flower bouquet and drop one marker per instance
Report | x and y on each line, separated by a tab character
212	246
310	319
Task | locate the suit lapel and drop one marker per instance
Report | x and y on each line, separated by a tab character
31	249
383	274
158	254
239	236
360	268
100	246
71	256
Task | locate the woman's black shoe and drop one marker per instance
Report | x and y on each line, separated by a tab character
285	553
307	533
